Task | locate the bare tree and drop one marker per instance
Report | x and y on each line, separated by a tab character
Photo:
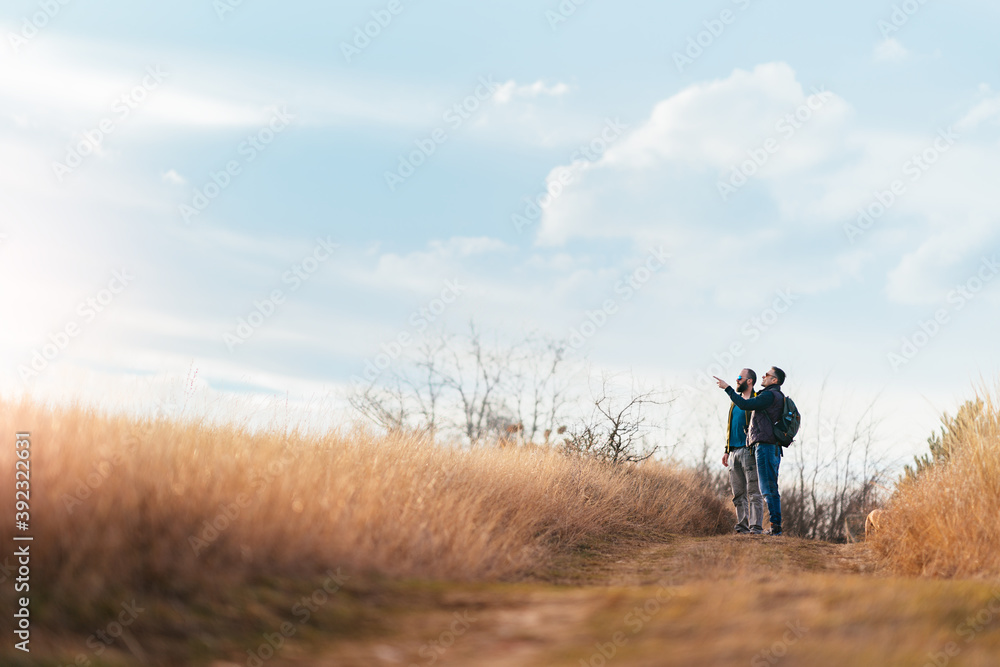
837	479
616	429
541	385
428	390
384	403
477	389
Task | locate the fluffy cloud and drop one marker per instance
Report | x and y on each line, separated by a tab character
890	50
756	170
509	90
751	129
987	109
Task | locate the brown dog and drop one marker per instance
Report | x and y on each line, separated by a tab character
873	523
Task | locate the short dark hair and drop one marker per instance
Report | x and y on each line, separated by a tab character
751	375
779	374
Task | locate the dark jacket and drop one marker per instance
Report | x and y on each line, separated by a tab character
767	407
729	424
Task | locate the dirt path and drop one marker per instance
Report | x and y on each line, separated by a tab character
695	601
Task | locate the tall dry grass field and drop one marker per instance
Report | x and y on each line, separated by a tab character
945	523
165	509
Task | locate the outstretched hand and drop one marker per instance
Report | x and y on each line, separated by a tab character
722	383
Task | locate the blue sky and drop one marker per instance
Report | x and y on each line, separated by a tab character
835	102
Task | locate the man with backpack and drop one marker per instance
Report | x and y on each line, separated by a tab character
768	414
743	473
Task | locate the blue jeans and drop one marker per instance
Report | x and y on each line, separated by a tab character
768	460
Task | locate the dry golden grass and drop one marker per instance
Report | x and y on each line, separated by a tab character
121	507
945	523
403	509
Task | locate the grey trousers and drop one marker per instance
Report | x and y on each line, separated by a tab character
746	491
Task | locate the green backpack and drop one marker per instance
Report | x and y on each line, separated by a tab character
787	426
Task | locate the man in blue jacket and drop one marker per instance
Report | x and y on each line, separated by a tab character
767	407
743	473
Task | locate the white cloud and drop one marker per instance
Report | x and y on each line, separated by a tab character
71	81
890	50
69	89
942	260
424	271
987	109
666	171
661	182
173	178
535	114
509	90
711	124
